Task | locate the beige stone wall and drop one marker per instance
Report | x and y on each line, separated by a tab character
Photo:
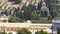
17	28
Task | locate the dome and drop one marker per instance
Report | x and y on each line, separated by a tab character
44	8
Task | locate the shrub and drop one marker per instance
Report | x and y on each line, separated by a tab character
4	20
41	32
45	20
42	20
14	19
3	33
23	31
35	21
10	33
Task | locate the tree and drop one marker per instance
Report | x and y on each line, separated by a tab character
14	19
41	32
18	12
3	32
39	5
23	31
52	7
10	33
53	11
35	15
28	13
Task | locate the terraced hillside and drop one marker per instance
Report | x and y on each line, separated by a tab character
8	4
7	7
30	10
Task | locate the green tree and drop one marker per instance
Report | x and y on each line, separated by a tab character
35	15
18	12
23	31
10	33
28	13
53	10
14	19
41	32
3	32
52	7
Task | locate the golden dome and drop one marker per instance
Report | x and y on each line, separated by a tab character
43	4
